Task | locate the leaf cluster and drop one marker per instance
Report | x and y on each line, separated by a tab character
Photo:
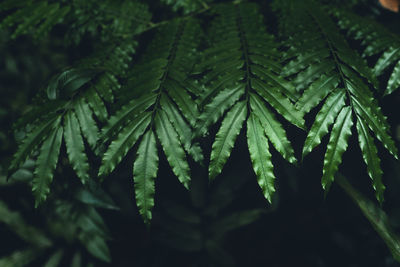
190	77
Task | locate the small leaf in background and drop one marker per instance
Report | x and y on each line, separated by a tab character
96	198
375	215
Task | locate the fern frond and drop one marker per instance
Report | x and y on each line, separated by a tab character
32	140
158	86
242	76
377	41
329	71
260	156
46	164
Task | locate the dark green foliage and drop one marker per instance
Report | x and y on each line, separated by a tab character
33	17
181	92
69	222
84	17
243	75
187	6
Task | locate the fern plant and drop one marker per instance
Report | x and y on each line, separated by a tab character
153	91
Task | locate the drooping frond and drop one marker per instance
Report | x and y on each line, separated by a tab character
77	99
164	108
327	70
377	41
242	78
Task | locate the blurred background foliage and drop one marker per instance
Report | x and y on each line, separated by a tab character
226	224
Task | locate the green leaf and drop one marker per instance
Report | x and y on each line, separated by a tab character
276	81
55	259
273	129
46	164
388	58
279	102
96	104
304	60
260	156
97	247
368	113
19	258
86	121
235	220
312	73
144	172
14	221
340	134
225	138
172	147
75	146
96	197
371	158
317	91
127	114
182	128
125	140
32	140
325	117
67	82
185	103
394	80
216	108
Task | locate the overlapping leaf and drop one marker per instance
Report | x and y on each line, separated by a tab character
242	78
327	70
